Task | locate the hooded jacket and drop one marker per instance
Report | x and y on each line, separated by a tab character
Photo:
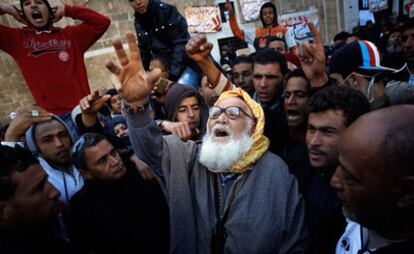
66	183
262	36
176	94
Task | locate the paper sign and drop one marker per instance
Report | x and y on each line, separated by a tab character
205	19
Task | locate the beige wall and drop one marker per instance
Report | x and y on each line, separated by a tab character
14	93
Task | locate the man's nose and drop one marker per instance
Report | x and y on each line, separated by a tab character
336	180
315	139
262	82
58	142
190	113
291	99
113	160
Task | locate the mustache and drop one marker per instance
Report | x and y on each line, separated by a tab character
317	149
221	126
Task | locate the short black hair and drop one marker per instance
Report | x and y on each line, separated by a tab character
12	160
299	73
280	39
341	36
111	92
269	5
78	150
352	102
164	60
242	59
271	56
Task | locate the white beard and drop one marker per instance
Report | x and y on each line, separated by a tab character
218	157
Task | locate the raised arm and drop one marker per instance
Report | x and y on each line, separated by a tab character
312	59
90	106
136	85
13	11
247	36
199	49
9	35
90	30
25	117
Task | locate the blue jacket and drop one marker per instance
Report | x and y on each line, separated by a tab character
163	30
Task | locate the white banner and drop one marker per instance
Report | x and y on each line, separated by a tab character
378	5
205	19
251	9
297	24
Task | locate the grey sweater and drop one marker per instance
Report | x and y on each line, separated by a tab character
266	216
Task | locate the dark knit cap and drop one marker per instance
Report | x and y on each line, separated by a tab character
115	121
176	94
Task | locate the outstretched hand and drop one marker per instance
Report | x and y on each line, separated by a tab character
93	102
312	58
136	85
180	129
198	48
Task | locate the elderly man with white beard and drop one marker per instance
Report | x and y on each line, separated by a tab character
227	195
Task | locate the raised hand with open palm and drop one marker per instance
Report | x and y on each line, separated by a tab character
136	84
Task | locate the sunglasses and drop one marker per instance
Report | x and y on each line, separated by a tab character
232	112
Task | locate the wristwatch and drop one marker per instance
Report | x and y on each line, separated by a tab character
135	109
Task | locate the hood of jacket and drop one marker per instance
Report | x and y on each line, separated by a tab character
30	139
176	94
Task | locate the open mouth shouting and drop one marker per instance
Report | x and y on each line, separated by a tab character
37	17
293	117
221	133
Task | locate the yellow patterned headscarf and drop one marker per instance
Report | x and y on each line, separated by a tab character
260	142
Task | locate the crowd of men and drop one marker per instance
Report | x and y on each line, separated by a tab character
292	150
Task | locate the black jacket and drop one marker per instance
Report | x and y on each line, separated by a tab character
126	216
18	242
324	213
163	30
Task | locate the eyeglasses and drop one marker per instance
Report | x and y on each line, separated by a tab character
232	112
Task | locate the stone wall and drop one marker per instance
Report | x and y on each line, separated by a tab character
14	93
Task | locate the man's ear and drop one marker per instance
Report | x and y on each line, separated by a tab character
86	174
406	197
